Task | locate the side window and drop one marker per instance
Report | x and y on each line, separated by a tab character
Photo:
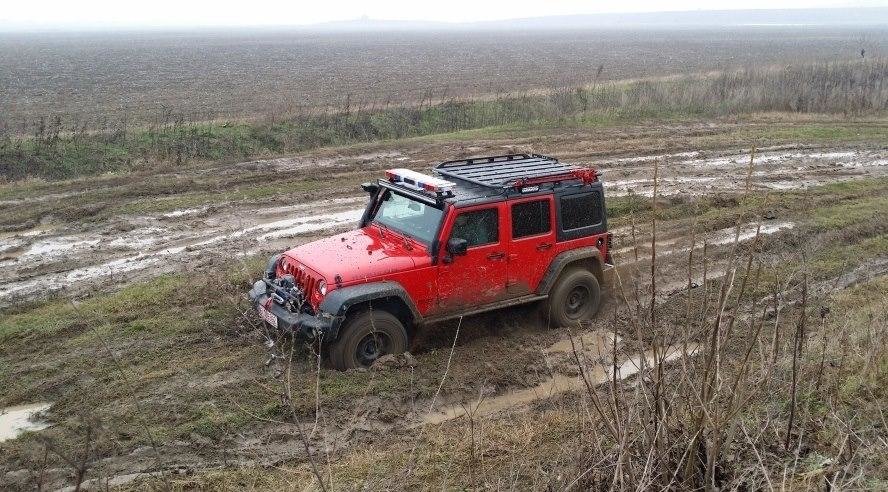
531	218
579	211
478	227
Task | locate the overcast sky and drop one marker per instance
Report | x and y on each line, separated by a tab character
162	13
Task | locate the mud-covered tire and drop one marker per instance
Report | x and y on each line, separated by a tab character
365	337
575	298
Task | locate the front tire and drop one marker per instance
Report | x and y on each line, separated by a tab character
574	299
366	337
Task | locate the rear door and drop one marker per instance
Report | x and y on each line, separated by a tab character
479	276
531	242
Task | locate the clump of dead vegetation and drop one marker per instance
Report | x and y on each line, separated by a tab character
60	147
768	391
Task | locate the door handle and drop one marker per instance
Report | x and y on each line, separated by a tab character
544	246
499	255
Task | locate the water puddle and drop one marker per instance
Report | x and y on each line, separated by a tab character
596	374
683	171
142	239
748	231
183	212
593	342
861	164
666	186
651	158
7	245
667	247
767	158
18	419
292	227
58	246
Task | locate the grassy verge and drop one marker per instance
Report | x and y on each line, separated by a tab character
56	152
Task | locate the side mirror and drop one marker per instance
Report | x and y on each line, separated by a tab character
371	188
457	246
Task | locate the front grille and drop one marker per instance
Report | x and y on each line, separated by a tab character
301	276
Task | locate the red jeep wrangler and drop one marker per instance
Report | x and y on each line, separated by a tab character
491	232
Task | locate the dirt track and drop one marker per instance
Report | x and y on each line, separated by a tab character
77	258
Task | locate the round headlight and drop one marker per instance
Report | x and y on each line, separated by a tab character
259	285
322	287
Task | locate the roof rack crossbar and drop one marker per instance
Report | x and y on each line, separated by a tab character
485	171
515	177
493	159
504	171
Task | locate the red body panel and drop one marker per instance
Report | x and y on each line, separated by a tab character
487	273
478	277
370	254
530	256
360	255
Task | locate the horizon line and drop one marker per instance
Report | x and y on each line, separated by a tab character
354	23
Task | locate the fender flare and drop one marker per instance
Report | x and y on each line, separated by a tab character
560	262
339	301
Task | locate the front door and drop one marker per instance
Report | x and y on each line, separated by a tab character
532	242
479	276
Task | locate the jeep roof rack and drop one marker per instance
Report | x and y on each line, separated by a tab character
513	170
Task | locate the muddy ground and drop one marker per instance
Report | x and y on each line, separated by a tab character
85	246
53	254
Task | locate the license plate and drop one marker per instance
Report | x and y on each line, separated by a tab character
267	316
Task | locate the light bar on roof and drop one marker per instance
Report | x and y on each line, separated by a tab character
418	181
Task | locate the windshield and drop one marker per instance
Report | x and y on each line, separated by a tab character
408	216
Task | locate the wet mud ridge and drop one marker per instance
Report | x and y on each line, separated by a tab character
75	258
601	361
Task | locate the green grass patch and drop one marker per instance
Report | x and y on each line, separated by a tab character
850	213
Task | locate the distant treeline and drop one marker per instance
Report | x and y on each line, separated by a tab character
55	150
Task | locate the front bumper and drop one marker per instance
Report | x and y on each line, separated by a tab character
302	325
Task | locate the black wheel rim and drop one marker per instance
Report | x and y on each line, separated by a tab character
577	302
372	347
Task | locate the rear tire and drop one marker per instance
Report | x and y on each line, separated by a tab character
575	298
365	337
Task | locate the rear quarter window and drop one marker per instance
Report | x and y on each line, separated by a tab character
581	214
580	210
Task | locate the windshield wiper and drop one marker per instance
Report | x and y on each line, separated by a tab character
407	237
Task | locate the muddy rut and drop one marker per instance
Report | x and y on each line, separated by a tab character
59	258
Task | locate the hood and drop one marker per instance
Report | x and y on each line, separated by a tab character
360	255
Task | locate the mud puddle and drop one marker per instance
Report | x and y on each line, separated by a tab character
183	212
594	349
22	418
694	173
154	247
680	244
